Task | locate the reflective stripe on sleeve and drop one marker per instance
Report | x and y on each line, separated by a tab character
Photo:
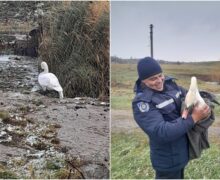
165	103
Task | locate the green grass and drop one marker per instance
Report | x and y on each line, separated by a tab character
131	159
207	166
116	101
217	108
7	175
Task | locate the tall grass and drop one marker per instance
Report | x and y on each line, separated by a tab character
75	44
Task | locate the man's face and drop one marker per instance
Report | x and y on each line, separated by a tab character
155	82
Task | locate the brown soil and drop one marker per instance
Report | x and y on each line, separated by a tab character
122	121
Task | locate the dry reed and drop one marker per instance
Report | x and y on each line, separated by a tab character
75	44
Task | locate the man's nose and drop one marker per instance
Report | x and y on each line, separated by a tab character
159	79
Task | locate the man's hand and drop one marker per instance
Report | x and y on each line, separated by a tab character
200	113
185	113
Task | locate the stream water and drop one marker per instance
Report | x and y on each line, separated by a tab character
4	58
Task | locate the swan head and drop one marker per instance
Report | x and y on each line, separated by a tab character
193	85
44	65
191	96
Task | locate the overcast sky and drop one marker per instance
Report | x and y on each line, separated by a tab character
183	31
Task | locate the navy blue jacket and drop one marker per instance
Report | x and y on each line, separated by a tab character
158	114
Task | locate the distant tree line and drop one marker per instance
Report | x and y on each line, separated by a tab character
117	60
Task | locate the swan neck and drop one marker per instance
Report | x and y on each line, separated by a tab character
193	86
46	70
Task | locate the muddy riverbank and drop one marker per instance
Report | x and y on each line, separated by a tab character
44	137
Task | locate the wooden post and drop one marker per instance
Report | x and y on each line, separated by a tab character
151	40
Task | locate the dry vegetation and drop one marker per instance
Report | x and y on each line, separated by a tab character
123	77
75	44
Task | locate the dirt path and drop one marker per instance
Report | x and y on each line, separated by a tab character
122	121
37	129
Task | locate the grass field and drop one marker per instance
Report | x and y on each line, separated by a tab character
130	151
131	159
123	77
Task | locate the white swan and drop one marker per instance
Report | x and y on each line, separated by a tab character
49	80
193	97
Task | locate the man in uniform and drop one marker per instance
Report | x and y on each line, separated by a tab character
157	110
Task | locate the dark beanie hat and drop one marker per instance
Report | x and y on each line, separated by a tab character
148	67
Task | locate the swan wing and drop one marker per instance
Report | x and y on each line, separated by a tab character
200	100
43	80
209	96
50	81
54	82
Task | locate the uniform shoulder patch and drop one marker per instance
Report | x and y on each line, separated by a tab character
143	106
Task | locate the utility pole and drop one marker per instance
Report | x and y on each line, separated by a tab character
151	40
